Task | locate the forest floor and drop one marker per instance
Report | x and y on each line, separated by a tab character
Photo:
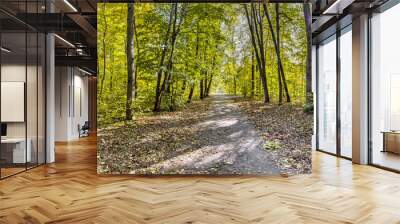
219	135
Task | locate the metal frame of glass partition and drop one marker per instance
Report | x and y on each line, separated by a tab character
337	34
40	53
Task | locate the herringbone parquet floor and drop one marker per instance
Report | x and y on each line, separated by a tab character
70	191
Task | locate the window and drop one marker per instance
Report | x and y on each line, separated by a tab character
346	93
385	89
327	95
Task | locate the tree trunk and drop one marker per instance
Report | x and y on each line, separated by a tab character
190	93
135	93
259	81
280	66
160	70
208	86
112	69
234	85
279	52
205	85
104	50
252	73
130	61
184	81
168	79
258	49
307	20
137	58
201	90
175	31
183	86
258	20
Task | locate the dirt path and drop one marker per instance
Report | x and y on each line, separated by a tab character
229	144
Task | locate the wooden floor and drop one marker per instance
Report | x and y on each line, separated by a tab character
5	172
386	159
70	191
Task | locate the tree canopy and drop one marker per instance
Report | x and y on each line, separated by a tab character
156	57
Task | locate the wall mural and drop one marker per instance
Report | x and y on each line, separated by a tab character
219	89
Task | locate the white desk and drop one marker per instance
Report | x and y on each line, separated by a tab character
18	149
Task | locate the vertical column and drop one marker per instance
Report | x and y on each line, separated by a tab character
50	98
50	92
62	103
338	91
360	90
314	90
92	102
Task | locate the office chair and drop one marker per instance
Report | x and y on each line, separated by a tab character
84	130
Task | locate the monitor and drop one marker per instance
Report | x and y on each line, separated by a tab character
3	129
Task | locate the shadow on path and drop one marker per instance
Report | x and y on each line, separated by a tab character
229	144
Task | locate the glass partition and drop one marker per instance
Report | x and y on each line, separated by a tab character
13	94
31	98
22	88
346	93
41	97
385	89
327	95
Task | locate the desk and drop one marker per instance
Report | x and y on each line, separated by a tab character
13	150
391	141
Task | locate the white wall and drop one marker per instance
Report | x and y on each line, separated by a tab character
80	109
71	87
62	82
16	73
12	73
33	126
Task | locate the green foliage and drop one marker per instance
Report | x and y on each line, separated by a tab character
272	145
309	108
213	42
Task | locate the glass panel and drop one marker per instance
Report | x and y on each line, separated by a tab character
31	98
346	94
327	96
32	88
22	88
385	92
13	86
41	99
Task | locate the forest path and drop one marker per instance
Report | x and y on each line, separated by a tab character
230	144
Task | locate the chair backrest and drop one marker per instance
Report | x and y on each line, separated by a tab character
86	125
